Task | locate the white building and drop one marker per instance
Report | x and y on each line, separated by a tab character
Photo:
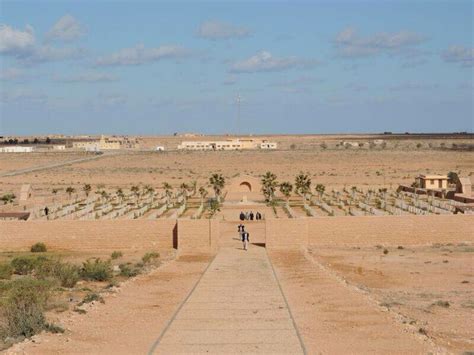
229	144
160	148
16	149
59	147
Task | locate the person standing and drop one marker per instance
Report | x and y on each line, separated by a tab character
240	230
242	216
245	240
46	211
251	215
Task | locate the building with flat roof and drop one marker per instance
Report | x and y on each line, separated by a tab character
228	144
432	182
16	149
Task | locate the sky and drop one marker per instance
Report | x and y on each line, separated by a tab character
156	67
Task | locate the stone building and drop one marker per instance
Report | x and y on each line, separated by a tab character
432	182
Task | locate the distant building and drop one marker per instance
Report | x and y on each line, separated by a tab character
432	182
106	143
160	148
16	149
229	144
268	145
59	147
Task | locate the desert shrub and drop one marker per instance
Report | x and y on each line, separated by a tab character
67	274
128	270
91	297
23	265
54	328
24	305
116	255
444	304
385	251
6	271
96	269
149	257
38	248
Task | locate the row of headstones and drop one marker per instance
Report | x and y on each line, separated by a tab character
412	209
370	209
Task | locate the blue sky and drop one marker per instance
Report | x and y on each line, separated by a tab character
151	67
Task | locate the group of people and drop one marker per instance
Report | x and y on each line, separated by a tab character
249	216
244	236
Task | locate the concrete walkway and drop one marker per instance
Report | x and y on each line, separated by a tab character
237	307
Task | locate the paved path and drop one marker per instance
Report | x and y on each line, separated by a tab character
237	307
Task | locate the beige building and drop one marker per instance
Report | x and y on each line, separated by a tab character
107	143
432	182
16	149
228	144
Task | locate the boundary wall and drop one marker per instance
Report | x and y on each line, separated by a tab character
204	235
107	235
369	230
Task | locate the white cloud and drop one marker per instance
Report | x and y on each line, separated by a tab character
90	77
460	55
350	44
22	46
16	42
140	55
66	29
265	62
216	30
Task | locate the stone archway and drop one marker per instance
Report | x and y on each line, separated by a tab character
245	187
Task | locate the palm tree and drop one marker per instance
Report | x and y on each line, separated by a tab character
87	189
136	190
286	188
217	182
303	185
70	190
203	193
168	190
320	188
120	194
214	207
353	191
269	185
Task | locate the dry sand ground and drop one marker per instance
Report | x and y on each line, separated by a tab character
334	168
415	283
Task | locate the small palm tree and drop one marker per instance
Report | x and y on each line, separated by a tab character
214	207
303	185
87	189
353	191
286	188
70	190
120	194
217	182
168	191
269	185
135	189
320	188
8	198
203	193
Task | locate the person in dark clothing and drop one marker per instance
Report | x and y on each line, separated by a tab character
240	230
251	215
242	216
245	240
46	211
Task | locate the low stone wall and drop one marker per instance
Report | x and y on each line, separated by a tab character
370	230
106	235
197	235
